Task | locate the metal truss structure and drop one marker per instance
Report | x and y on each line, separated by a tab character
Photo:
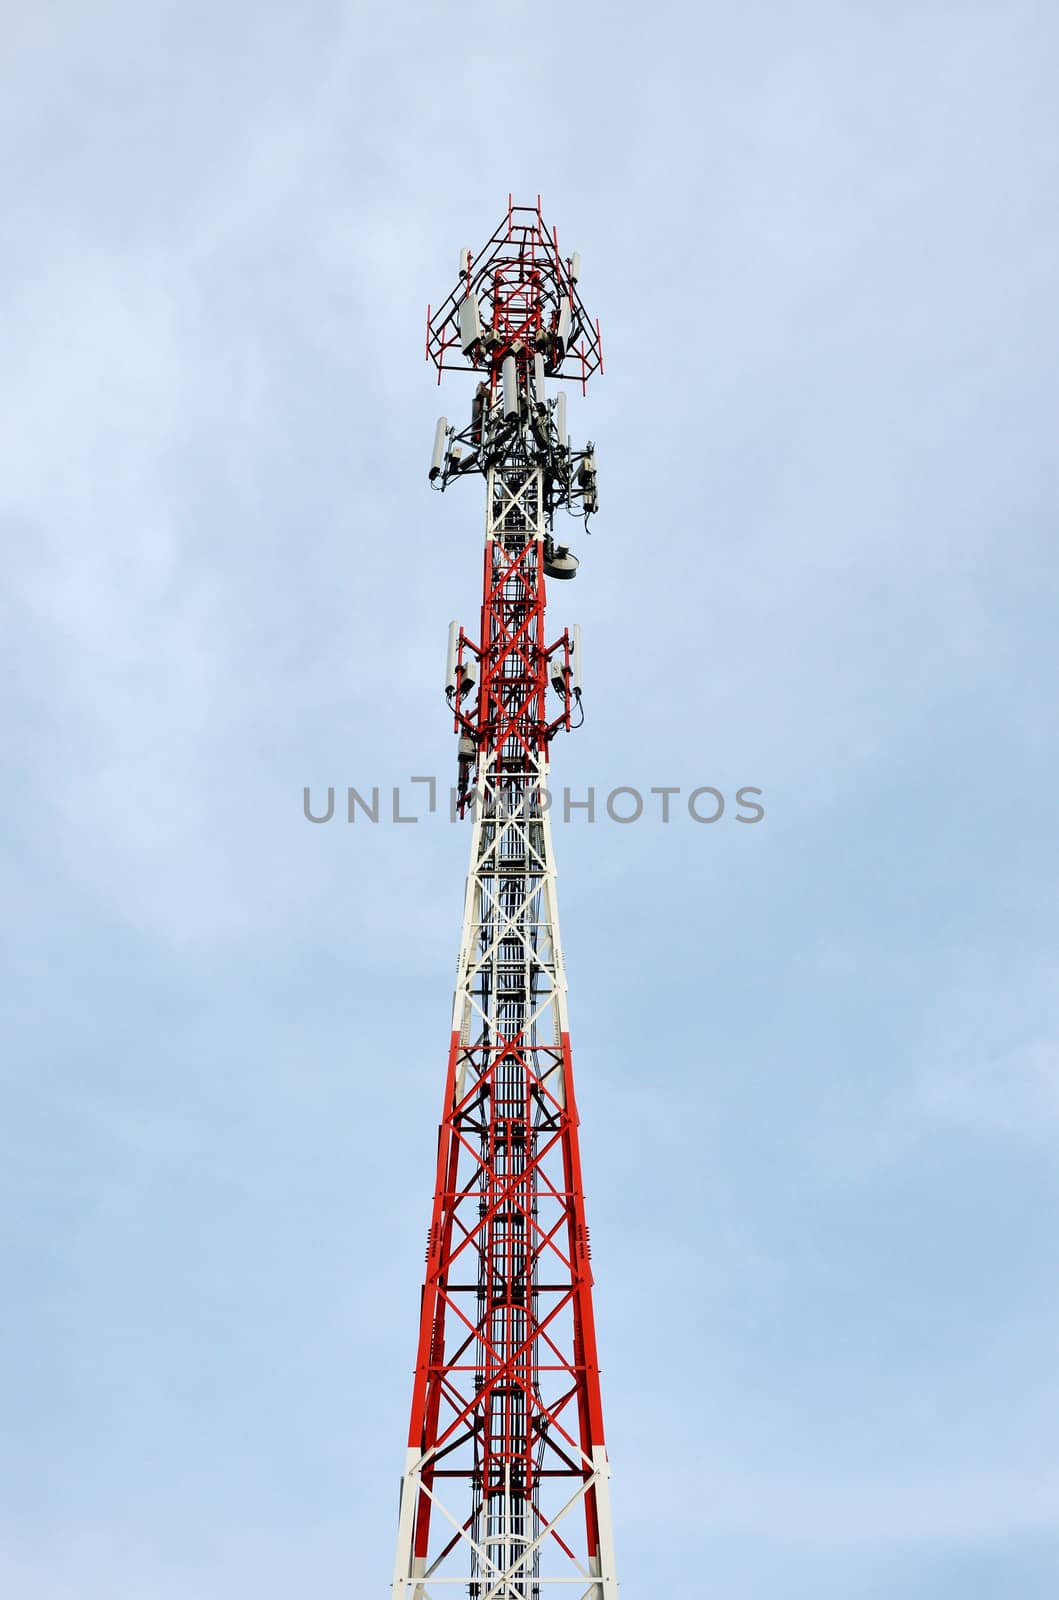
505	1494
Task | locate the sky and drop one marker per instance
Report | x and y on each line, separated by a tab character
817	1057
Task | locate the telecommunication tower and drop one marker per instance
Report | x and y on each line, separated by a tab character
505	1492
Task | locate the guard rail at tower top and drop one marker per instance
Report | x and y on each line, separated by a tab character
516	319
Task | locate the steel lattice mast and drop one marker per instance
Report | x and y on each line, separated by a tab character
506	1485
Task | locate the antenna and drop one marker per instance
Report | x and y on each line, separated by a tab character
506	1485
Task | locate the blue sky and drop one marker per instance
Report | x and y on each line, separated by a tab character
817	1058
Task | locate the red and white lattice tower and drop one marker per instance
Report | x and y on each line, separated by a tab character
505	1494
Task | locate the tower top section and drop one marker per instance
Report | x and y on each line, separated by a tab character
517	297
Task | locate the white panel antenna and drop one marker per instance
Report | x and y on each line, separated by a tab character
566	319
510	382
450	663
437	459
470	323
